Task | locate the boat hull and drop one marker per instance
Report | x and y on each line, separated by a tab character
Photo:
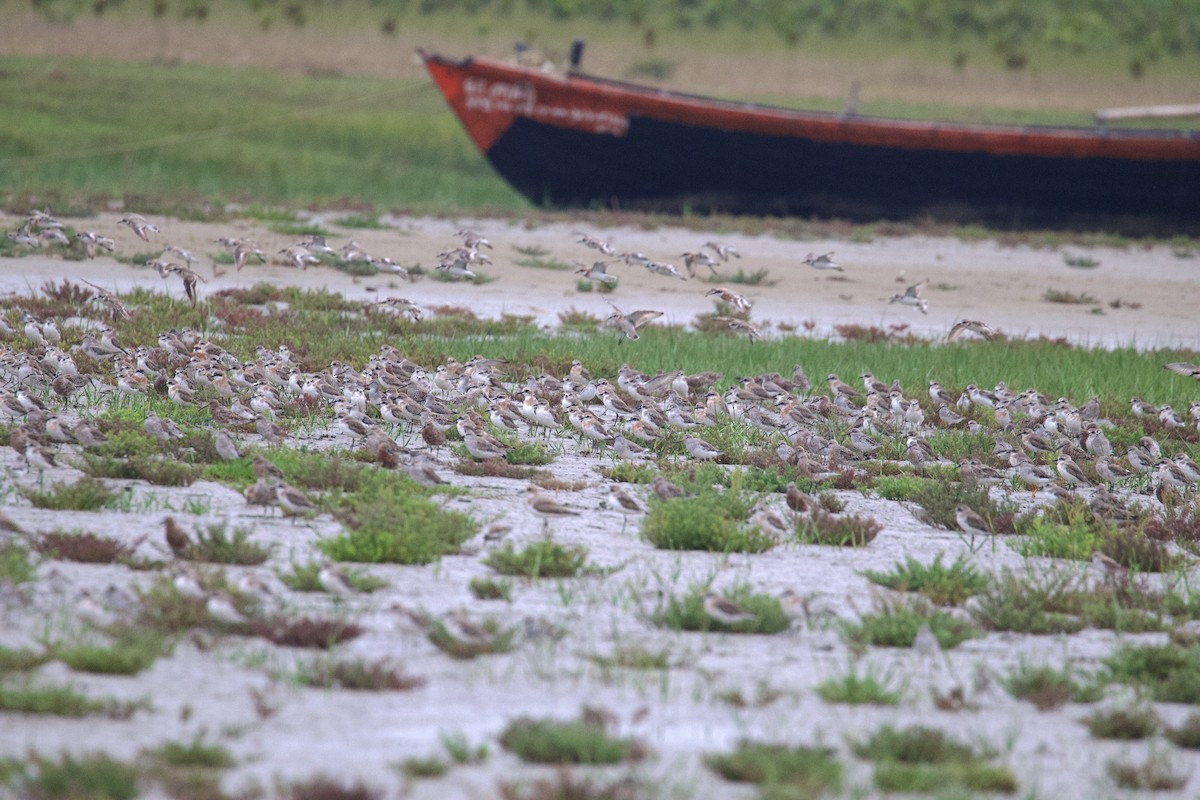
578	141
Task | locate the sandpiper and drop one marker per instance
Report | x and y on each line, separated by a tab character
912	297
724	611
822	261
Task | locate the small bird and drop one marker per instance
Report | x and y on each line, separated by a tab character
333	580
736	325
598	271
623	502
225	447
970	522
664	269
691	260
798	501
177	538
723	251
1184	369
925	643
629	324
139	225
724	611
665	490
731	297
221	610
838	387
822	261
547	507
292	502
973	326
698	448
1070	472
912	297
264	469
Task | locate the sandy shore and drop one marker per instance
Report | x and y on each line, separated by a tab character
1156	287
678	712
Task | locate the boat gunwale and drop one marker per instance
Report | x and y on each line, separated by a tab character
642	94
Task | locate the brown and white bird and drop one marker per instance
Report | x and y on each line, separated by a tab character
628	324
139	225
973	326
547	507
598	271
970	522
724	611
731	297
292	502
739	326
912	297
177	538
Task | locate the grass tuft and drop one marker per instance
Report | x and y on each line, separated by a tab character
376	676
1133	722
941	584
823	528
782	771
541	559
1048	688
897	625
853	688
96	776
687	613
557	742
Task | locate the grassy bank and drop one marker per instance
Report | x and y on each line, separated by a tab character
184	133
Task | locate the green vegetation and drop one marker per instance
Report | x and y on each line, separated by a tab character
557	742
393	523
373	676
1049	688
852	530
1186	735
941	584
306	578
86	494
302	139
541	559
133	651
93	776
781	771
687	613
216	546
488	589
920	759
710	521
194	754
897	625
1155	774
855	688
12	660
1165	673
15	566
61	701
1133	722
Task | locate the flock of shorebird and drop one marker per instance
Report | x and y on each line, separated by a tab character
456	263
1045	444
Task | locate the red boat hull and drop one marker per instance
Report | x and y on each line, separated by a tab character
581	141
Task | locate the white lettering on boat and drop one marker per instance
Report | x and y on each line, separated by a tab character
497	97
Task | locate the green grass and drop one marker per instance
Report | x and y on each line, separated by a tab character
195	753
687	613
780	770
854	688
709	521
306	578
942	584
97	776
15	565
558	742
1165	673
488	589
897	625
86	494
61	701
358	675
1048	688
541	559
19	660
921	759
300	140
397	524
131	653
1128	723
217	546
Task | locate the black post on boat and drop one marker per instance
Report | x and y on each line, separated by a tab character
577	52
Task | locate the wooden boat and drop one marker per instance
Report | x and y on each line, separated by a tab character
577	140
